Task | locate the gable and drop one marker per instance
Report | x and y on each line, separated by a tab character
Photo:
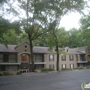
23	47
88	50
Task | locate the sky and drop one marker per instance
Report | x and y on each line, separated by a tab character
70	21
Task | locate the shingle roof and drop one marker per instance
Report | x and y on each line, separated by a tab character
38	49
78	50
9	48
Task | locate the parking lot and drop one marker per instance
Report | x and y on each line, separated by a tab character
66	80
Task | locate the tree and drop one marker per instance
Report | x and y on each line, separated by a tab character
65	6
75	38
11	37
57	38
6	26
85	29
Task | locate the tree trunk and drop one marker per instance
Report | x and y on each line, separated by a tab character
57	52
31	53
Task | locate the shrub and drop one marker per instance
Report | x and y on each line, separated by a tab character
51	70
6	73
1	74
46	69
65	69
18	73
79	68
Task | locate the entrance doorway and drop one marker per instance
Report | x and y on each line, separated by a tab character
24	57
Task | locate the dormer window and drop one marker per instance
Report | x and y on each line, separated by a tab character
67	49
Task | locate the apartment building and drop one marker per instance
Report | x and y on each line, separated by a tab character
17	57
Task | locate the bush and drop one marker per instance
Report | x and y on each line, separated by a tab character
79	68
18	73
65	69
51	70
46	69
6	73
1	74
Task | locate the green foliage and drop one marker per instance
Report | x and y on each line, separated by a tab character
62	52
43	16
62	38
78	68
12	38
1	74
81	37
65	69
9	32
6	73
46	69
51	69
18	73
75	38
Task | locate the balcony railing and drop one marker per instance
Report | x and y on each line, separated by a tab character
39	62
7	63
82	61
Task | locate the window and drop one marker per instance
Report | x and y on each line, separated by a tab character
38	58
12	58
71	66
1	55
51	66
51	57
5	57
63	58
24	57
63	65
25	46
71	57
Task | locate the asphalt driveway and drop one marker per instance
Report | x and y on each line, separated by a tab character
67	80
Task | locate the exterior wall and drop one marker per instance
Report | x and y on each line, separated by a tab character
45	62
12	58
78	56
9	67
22	48
48	62
67	62
12	68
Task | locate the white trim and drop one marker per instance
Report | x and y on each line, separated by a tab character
82	61
9	63
39	63
24	53
22	43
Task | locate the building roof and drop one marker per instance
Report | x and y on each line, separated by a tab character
78	50
8	48
36	49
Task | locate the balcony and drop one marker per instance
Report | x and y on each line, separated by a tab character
40	62
7	63
82	61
